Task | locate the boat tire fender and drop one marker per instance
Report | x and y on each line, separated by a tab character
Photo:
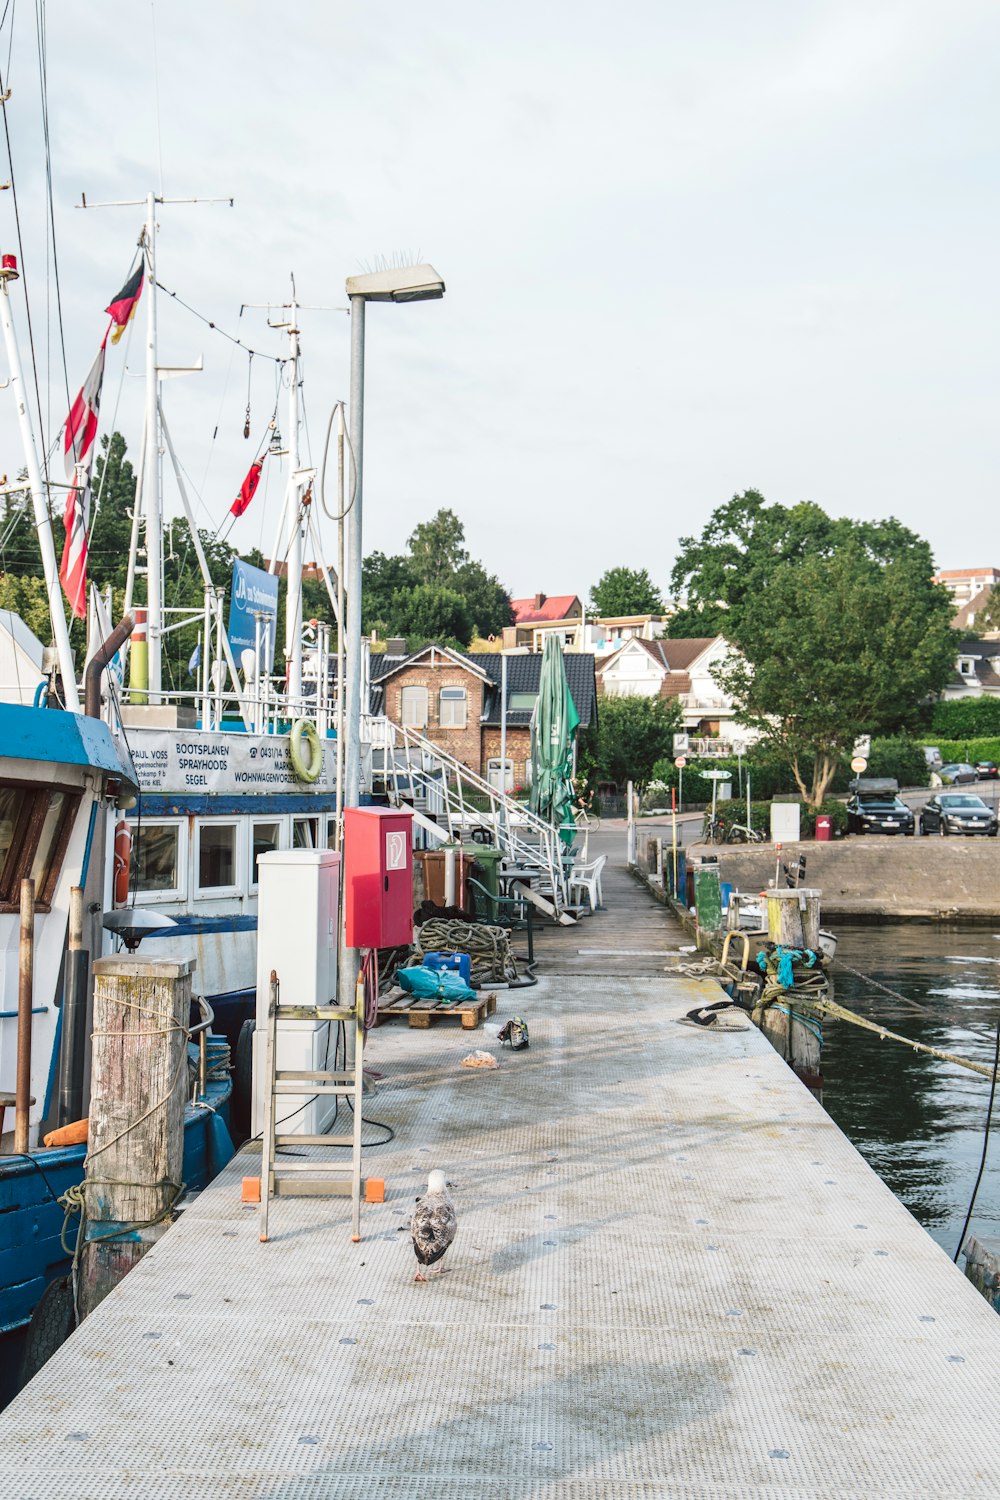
241	1107
306	770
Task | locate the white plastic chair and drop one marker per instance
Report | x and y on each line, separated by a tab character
587	878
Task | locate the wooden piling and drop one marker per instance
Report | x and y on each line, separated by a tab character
139	1083
793	917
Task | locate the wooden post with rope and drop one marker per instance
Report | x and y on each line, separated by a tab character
139	1085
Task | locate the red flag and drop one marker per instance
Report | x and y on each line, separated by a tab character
78	453
81	424
73	568
247	489
122	307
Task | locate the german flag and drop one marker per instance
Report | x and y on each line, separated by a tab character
122	307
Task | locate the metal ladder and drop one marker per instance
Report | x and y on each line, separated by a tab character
310	1178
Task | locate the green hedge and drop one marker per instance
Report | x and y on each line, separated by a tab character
971	750
965	718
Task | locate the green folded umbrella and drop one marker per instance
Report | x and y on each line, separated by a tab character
553	725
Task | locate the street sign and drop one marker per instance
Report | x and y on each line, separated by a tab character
682	743
859	764
680	762
863	746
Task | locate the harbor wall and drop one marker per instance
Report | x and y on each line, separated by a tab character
881	878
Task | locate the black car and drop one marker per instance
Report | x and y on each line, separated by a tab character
885	813
987	770
958	812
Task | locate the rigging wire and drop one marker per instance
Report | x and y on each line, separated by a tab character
277	359
24	276
986	1141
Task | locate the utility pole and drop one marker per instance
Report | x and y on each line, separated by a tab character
293	606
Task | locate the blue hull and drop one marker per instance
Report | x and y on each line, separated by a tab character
31	1219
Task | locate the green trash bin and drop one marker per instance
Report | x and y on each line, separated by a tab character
490	860
708	897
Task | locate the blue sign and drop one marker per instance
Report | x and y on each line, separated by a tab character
254	594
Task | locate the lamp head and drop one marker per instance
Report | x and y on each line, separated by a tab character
399	284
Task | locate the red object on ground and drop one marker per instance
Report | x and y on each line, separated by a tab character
375	1190
824	828
378	877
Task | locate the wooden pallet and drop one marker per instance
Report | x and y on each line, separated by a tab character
421	1012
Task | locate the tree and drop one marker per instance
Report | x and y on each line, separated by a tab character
632	735
988	617
625	591
837	627
437	561
437	548
486	599
28	598
428	613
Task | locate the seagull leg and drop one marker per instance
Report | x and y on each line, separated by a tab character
440	1270
420	1276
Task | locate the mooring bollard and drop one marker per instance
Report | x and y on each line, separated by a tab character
139	1084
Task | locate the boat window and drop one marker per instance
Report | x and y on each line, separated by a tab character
452	708
266	836
216	855
331	833
51	840
156	861
10	798
305	833
35	825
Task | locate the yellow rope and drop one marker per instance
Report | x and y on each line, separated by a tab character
841	1013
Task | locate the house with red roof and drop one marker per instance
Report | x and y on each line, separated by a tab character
541	615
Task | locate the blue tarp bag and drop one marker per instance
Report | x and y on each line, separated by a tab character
426	983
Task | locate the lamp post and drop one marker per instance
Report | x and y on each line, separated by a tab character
403	284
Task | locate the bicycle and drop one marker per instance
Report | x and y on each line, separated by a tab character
715	830
739	833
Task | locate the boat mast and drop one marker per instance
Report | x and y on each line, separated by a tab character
293	602
39	495
152	499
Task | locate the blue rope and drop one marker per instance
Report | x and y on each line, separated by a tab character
786	957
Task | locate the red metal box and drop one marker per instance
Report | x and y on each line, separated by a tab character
378	877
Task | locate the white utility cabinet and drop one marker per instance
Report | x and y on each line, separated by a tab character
297	938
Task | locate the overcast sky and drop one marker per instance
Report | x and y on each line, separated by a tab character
688	250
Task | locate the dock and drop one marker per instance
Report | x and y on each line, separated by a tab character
673	1276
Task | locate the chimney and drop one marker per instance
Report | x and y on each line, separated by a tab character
395	646
539	600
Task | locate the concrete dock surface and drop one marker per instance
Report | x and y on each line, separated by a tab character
673	1276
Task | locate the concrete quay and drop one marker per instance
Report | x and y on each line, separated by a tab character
673	1276
881	877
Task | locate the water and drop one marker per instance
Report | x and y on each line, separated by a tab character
917	1121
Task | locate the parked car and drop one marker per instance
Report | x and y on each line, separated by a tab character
874	807
956	772
958	812
932	755
987	770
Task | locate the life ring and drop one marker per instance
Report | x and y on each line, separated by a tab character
302	729
123	863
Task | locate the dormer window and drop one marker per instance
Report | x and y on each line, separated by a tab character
967	666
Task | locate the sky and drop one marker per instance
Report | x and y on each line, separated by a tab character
688	250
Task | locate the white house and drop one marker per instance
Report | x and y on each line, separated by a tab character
976	673
679	669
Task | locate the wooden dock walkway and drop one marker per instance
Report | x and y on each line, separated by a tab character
673	1277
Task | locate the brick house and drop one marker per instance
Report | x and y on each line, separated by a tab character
453	699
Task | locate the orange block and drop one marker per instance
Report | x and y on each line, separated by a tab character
375	1190
67	1135
251	1190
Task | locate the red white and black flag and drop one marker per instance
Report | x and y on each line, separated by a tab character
78	452
121	308
247	489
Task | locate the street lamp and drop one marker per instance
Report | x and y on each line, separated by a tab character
401	284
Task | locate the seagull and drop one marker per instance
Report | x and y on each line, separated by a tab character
433	1224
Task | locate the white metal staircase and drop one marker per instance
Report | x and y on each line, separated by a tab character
449	801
